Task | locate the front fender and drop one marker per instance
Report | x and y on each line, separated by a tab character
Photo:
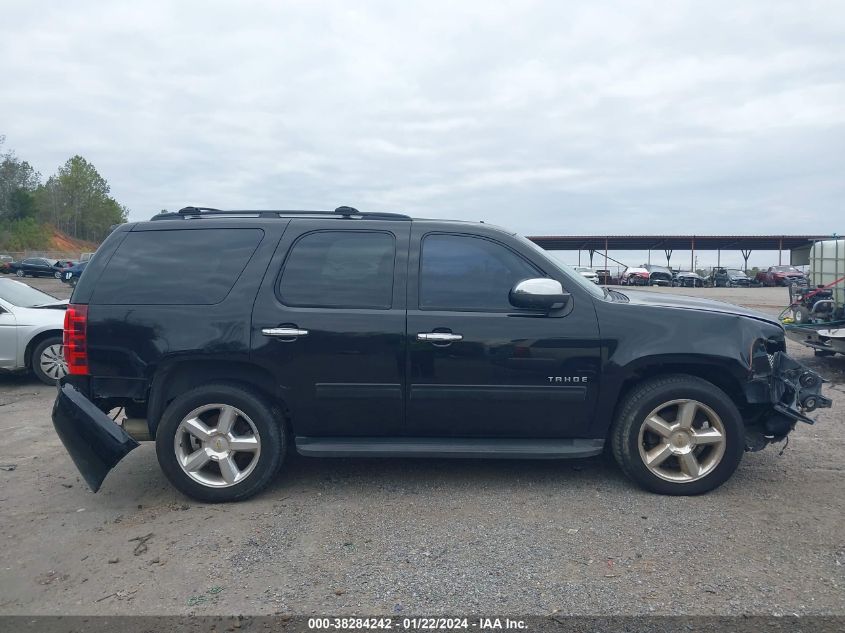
640	341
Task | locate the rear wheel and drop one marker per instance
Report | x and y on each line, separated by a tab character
20	273
678	435
48	360
220	442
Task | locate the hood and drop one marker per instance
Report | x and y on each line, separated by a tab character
660	300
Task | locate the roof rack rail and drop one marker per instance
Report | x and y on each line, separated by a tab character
192	212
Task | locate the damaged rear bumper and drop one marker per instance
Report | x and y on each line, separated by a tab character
95	442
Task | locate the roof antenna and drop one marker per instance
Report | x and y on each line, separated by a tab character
347	211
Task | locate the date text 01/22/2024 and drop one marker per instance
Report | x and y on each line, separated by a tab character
432	624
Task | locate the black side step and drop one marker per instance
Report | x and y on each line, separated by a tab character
487	448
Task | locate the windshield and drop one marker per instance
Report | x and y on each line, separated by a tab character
23	296
787	269
734	271
578	279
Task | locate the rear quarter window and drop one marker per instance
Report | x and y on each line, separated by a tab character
178	267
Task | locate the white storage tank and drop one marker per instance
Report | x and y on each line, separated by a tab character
827	264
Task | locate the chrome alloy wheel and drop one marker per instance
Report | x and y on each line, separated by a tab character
682	441
52	362
217	445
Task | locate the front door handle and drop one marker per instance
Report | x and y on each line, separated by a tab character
284	332
439	337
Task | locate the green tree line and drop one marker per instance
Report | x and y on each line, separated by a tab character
74	200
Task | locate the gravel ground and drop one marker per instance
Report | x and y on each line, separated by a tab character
424	536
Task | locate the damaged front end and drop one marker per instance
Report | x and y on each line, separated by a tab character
782	391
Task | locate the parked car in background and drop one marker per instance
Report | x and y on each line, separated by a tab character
722	277
312	329
71	275
605	277
687	279
737	278
634	277
781	276
31	325
719	278
39	267
5	262
658	275
588	273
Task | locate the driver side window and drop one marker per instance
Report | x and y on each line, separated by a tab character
466	273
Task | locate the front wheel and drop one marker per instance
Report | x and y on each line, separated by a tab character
20	273
678	435
220	442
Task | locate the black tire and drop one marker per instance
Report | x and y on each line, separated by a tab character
268	425
20	273
801	315
35	360
649	395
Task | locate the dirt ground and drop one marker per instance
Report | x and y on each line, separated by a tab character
420	537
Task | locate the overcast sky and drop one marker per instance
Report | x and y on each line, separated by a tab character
547	117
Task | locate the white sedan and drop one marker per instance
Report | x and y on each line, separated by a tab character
31	324
589	273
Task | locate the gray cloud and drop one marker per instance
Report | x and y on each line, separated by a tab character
547	117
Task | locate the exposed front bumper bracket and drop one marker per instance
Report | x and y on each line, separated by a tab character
796	390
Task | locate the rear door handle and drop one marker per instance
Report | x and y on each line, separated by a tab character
439	337
284	332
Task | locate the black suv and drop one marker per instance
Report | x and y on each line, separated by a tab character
372	334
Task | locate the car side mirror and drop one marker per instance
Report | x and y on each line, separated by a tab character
539	294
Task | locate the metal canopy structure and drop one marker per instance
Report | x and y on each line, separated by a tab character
671	243
674	242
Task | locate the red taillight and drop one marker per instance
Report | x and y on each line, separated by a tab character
75	339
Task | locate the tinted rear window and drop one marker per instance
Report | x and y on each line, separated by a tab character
179	267
340	269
